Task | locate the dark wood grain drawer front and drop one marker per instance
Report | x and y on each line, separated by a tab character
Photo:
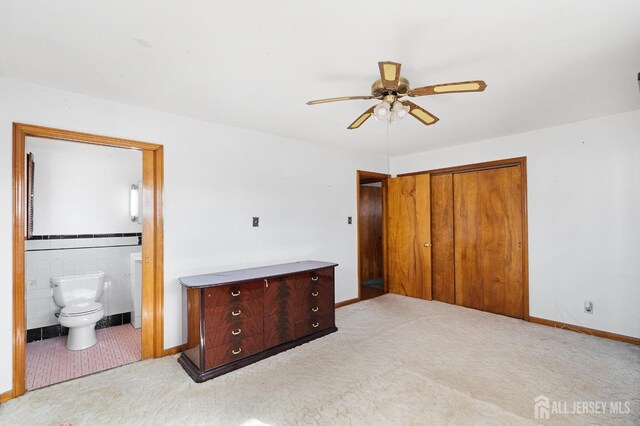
322	277
279	313
229	328
314	301
233	293
233	351
312	325
233	313
314	294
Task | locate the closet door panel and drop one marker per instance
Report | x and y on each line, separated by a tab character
442	250
409	240
488	240
468	279
502	238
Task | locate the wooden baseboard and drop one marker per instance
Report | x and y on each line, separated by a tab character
347	302
592	331
174	350
4	397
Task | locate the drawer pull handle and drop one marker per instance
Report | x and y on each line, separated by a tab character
235	293
315	294
236	351
315	324
236	332
314	278
314	309
236	313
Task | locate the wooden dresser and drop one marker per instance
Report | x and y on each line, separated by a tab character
236	318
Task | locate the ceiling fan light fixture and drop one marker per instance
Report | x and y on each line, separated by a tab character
382	111
400	110
391	87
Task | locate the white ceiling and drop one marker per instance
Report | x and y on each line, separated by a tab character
254	64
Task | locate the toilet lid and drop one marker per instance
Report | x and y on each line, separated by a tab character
81	309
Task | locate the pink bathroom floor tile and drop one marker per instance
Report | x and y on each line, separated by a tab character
49	361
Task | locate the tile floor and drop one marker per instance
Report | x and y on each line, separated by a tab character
49	361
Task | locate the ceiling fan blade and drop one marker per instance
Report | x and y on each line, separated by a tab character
421	114
343	98
364	117
463	86
389	74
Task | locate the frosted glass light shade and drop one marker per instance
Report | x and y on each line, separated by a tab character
400	110
382	111
133	205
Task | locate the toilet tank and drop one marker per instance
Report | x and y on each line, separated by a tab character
74	289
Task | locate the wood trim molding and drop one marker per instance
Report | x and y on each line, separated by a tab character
517	161
19	223
72	136
586	330
347	302
4	397
525	234
158	241
175	350
152	244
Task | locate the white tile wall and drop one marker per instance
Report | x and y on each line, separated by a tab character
40	266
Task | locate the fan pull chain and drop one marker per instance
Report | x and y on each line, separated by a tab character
388	158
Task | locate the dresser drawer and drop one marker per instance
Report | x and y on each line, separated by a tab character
230	322
314	294
233	313
314	302
314	324
318	277
233	351
232	293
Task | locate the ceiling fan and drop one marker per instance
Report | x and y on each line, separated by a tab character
391	87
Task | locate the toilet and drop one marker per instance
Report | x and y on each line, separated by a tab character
78	296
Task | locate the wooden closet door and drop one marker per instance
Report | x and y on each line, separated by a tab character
488	228
409	240
442	247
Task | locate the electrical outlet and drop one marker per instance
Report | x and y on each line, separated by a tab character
256	221
588	307
349	220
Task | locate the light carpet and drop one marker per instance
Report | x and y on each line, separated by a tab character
394	360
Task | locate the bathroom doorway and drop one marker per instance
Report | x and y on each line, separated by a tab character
51	243
371	235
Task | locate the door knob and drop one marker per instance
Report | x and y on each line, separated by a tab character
427	245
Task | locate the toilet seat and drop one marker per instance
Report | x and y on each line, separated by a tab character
81	309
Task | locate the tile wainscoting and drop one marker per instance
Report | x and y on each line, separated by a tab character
51	255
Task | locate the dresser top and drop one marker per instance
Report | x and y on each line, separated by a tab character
229	277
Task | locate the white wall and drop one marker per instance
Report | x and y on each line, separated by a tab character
82	188
216	179
584	216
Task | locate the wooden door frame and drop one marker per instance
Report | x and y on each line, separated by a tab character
361	176
508	162
152	239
